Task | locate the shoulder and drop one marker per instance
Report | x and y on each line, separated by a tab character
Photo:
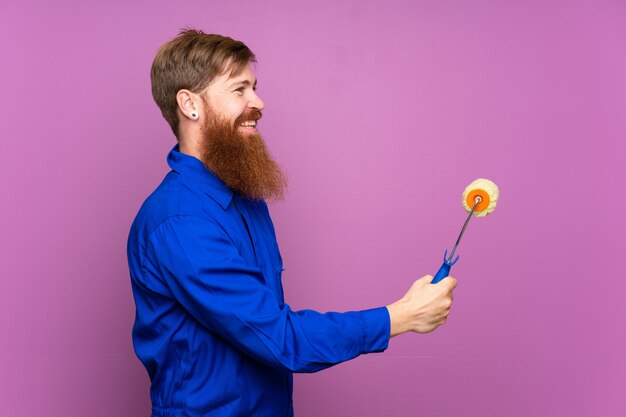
174	198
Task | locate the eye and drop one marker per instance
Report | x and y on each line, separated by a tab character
240	90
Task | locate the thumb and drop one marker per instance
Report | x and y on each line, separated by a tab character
449	281
426	279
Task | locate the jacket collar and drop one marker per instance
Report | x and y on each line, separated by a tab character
194	170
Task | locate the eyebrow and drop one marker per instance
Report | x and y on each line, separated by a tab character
244	82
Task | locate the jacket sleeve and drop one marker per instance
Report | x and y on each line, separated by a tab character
205	274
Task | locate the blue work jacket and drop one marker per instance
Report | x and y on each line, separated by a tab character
211	326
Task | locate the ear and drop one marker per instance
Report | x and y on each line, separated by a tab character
188	104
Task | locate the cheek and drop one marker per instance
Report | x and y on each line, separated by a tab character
235	110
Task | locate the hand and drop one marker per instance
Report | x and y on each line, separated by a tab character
423	308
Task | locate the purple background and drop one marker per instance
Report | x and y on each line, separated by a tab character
381	113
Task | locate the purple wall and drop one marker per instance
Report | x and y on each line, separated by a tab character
381	113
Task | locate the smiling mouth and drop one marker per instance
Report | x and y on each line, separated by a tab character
249	124
248	120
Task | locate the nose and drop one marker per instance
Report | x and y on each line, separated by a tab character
256	102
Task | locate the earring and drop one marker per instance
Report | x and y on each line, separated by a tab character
194	115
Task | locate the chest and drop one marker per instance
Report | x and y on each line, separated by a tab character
251	230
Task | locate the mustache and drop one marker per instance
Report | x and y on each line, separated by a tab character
252	114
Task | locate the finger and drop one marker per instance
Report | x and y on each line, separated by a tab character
450	281
426	279
421	282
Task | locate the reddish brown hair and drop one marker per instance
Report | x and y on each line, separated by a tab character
191	61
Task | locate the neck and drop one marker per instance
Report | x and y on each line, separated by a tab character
189	143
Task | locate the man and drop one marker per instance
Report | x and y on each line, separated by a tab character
212	328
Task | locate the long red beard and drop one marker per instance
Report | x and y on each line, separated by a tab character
241	161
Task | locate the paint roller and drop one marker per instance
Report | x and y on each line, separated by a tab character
479	199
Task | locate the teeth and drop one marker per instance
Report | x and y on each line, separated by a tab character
249	123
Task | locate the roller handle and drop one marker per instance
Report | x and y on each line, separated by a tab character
444	270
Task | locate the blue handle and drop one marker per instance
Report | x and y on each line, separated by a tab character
444	271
